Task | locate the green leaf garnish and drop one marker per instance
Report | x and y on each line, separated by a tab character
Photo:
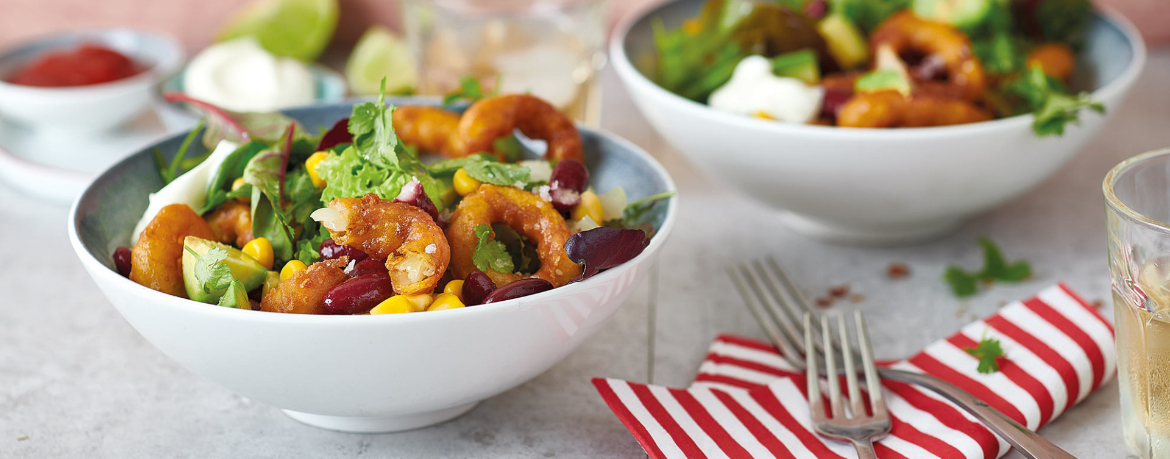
639	214
469	89
490	254
179	164
372	127
485	168
1051	103
988	351
995	268
210	271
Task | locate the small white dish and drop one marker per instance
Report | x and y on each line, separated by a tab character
90	108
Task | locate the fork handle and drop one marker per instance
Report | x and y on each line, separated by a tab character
864	449
1026	441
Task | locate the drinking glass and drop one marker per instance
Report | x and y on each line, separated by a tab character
549	48
1137	196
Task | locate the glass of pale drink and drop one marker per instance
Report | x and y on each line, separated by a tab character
1137	196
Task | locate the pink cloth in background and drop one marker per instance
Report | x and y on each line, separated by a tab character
195	22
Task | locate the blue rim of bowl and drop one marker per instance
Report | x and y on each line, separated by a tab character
635	80
106	274
158	72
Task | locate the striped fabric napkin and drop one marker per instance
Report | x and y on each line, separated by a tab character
747	401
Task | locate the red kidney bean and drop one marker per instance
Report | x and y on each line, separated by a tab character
413	193
816	9
122	260
604	247
833	101
570	174
359	294
330	250
517	289
477	287
358	268
564	199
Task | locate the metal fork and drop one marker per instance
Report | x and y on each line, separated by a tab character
860	426
778	305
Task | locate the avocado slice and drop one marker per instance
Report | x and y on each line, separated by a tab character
247	271
236	297
963	14
801	65
845	41
271	282
882	80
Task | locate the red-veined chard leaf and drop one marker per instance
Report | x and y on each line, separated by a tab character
240	127
265	171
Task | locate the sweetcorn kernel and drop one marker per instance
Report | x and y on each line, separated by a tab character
311	167
261	250
237	184
397	304
291	268
464	184
445	301
455	287
420	301
590	206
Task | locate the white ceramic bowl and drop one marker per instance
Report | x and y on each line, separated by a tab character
870	185
93	107
364	373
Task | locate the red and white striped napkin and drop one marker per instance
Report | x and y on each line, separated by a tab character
748	402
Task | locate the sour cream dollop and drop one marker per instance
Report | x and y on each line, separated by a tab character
754	91
241	75
189	188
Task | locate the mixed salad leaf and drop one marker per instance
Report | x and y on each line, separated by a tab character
701	54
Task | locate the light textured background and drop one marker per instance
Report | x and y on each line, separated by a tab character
77	381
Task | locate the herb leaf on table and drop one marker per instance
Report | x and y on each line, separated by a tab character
995	268
988	351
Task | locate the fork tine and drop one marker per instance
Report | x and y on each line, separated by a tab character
857	405
769	278
763	287
781	338
831	374
873	384
792	299
815	402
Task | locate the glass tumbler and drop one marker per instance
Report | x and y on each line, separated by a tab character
1137	196
552	49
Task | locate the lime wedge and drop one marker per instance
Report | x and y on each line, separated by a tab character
299	29
380	54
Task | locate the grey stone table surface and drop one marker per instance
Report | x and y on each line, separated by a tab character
77	381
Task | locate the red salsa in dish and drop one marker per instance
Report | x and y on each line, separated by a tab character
85	65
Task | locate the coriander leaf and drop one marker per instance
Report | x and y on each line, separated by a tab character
210	271
1063	20
449	166
988	351
639	214
1047	98
469	89
490	254
372	127
995	268
503	174
510	146
962	283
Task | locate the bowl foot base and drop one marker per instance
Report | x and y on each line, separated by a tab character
829	232
379	424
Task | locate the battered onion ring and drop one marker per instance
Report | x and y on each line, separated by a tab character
430	128
304	292
905	32
891	109
413	245
157	257
231	223
524	212
495	117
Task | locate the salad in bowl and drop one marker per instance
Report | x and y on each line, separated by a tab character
418	280
353	221
868	64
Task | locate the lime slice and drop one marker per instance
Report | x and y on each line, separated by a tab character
380	54
299	29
